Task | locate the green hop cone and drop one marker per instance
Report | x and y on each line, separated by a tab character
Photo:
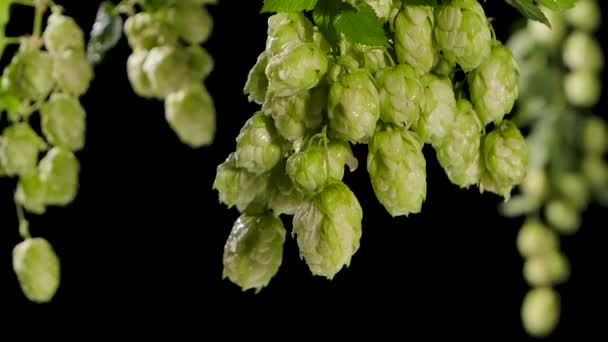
594	135
191	22
190	112
258	145
148	30
443	67
583	88
535	238
354	107
382	8
19	149
167	69
505	158
62	33
438	110
460	156
284	197
285	29
31	193
414	43
63	121
562	216
397	170
137	77
59	171
238	187
573	187
38	269
199	62
494	85
73	72
254	251
311	169
585	15
257	82
375	59
582	51
548	269
595	170
401	95
540	311
328	229
463	33
29	75
536	183
301	66
296	115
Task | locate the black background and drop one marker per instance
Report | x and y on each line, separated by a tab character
141	247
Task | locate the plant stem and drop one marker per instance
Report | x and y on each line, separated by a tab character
24	225
11	40
40	9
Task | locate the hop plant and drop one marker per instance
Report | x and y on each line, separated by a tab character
438	110
413	28
401	93
259	147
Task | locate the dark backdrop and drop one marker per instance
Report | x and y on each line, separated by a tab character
144	239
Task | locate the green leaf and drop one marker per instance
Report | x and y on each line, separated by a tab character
323	16
271	6
362	26
105	34
558	5
530	10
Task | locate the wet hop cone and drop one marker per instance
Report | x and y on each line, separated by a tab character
37	268
401	94
328	229
258	145
254	251
287	28
541	311
397	170
190	112
438	110
31	193
414	42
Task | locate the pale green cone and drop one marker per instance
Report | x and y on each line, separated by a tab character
582	51
541	311
191	22
37	268
574	188
438	110
238	187
287	28
548	269
494	85
299	67
460	155
31	193
401	95
583	88
257	82
328	229
199	61
536	183
137	77
167	69
63	121
462	32
62	33
585	15
283	198
414	42
73	72
148	30
20	147
296	115
594	135
595	170
375	59
254	251
258	145
562	216
397	170
191	114
59	171
29	74
535	238
354	107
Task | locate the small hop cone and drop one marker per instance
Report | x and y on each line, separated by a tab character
287	28
256	85
190	112
541	311
397	170
59	171
31	193
548	269
284	198
574	189
137	77
73	72
29	75
494	85
460	157
354	107
199	62
414	43
238	187
63	121
401	94
582	51
20	147
585	16
191	22
535	238
562	216
595	170
37	268
583	88
328	229
254	251
147	30
438	110
258	145
167	69
62	33
505	159
299	67
462	32
594	135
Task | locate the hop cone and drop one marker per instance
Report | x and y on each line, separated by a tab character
62	33
73	72
254	251
534	238
137	77
259	147
37	268
283	197
414	45
548	269
29	74
148	30
190	112
257	82
31	193
59	171
191	22
401	94
287	28
63	121
540	311
438	110
20	147
397	170
328	229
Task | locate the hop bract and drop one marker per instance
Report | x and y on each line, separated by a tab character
354	107
254	251
296	115
63	121
62	33
401	95
73	72
37	268
167	69
328	229
59	171
283	196
414	43
31	193
397	170
148	30
463	33
20	147
256	85
259	147
494	85
438	110
29	75
137	77
285	29
190	112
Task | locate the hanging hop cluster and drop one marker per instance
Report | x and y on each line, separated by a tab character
168	63
47	76
319	98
